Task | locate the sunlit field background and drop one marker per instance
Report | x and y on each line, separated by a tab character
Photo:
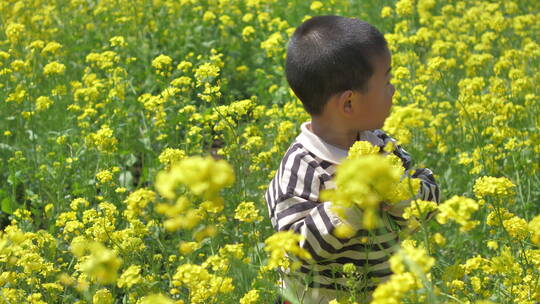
137	139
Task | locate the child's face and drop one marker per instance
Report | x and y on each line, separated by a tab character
375	103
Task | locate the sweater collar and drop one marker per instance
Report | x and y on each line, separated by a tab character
326	151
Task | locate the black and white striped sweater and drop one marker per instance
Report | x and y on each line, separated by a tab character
307	168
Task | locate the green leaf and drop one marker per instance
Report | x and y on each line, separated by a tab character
7	205
131	160
6	147
125	179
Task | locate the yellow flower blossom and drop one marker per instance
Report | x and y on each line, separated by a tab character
316	5
273	44
170	156
101	264
386	12
460	210
105	60
203	176
516	227
51	48
493	186
251	297
247	212
104	176
131	276
14	31
281	243
248	32
205	72
404	7
365	182
208	16
419	209
79	202
53	68
201	283
103	296
188	247
162	62
157	299
119	41
534	228
43	103
137	201
103	140
361	148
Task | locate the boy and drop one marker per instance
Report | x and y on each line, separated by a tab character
340	69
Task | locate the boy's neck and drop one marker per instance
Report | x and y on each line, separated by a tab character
336	136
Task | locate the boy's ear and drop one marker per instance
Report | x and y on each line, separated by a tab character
344	101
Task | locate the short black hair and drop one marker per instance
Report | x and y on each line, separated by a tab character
330	54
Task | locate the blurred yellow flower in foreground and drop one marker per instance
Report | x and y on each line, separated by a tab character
98	262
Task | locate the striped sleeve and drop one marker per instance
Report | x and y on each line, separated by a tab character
429	190
293	202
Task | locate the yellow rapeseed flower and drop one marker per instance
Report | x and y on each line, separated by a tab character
103	296
248	32
79	202
43	103
316	5
364	182
188	247
104	176
251	297
534	228
247	212
119	41
362	148
404	7
493	186
103	140
130	277
170	156
273	44
157	299
204	176
162	62
516	227
14	31
419	209
386	12
51	48
460	210
54	68
281	243
101	264
202	284
206	72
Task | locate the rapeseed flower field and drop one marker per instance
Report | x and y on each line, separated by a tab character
137	139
